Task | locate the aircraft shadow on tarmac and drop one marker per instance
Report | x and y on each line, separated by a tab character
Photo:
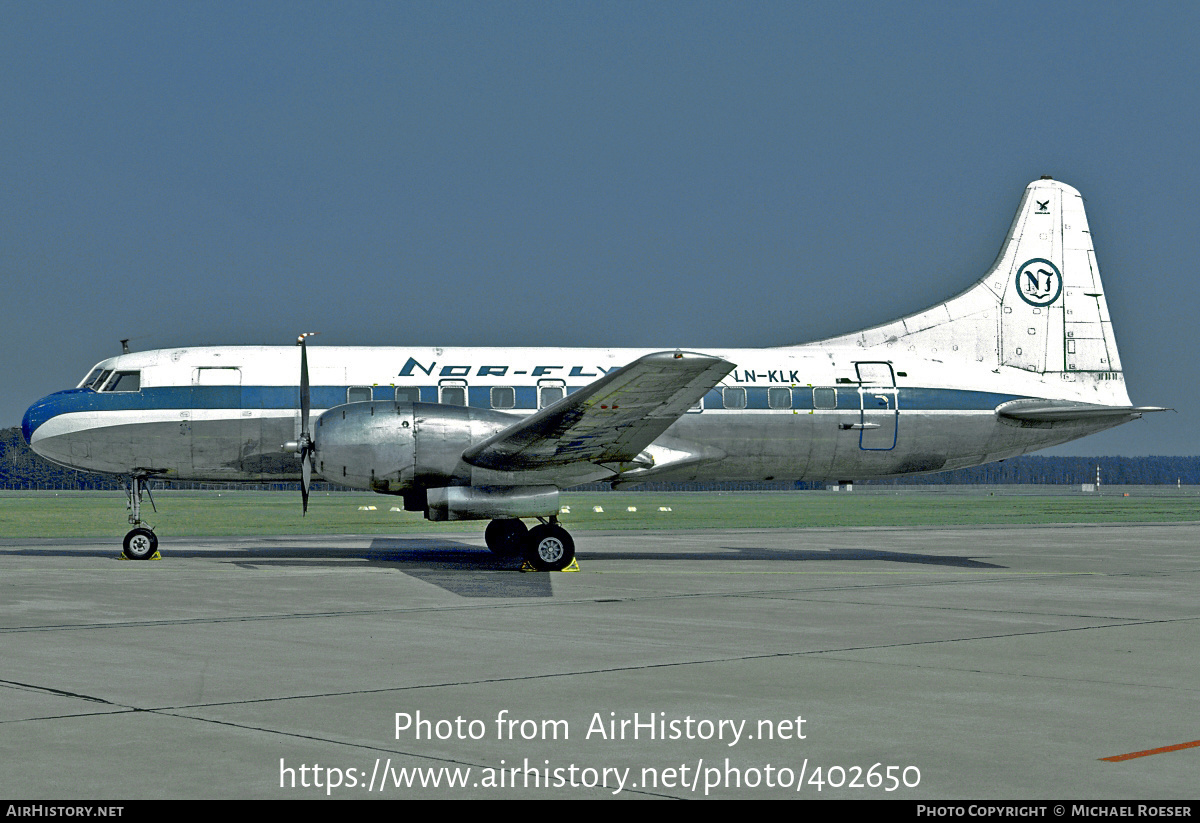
470	571
459	568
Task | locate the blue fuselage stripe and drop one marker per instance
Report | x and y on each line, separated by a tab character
325	397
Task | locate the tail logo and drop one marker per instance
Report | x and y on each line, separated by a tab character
1039	282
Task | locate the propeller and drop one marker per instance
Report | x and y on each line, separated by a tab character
304	446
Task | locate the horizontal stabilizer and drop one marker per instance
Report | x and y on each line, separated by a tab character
610	421
1056	411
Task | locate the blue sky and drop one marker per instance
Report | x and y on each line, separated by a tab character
662	174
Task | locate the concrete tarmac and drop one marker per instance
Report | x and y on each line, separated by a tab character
958	663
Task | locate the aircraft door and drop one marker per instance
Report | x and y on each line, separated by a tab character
216	433
880	412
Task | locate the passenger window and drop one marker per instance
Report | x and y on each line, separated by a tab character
125	381
504	397
779	398
357	394
824	398
408	394
217	376
454	395
733	398
549	395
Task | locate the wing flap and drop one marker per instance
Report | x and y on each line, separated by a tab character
611	420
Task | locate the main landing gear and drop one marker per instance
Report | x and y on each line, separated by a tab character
140	543
547	547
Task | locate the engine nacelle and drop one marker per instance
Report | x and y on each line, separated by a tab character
490	502
415	450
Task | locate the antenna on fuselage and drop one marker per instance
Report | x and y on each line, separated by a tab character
125	346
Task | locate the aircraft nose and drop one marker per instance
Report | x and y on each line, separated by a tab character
49	406
32	419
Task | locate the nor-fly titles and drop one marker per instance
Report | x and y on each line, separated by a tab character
656	726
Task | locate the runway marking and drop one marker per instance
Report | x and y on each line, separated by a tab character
1119	757
949	571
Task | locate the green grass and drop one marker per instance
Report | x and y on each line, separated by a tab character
102	514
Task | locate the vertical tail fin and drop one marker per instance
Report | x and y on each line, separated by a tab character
1054	316
1039	309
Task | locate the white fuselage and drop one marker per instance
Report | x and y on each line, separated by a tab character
806	412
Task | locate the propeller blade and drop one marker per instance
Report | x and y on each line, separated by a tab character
305	445
305	398
305	480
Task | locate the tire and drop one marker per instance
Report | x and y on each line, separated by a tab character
506	538
140	544
549	548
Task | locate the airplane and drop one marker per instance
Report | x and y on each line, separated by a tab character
1023	359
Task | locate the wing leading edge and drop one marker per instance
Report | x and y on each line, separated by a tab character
609	421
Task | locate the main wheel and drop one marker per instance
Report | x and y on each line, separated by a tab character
140	544
505	538
549	548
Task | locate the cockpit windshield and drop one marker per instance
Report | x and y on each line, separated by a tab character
105	380
90	381
124	381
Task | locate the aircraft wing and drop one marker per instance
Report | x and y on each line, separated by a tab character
609	421
1051	411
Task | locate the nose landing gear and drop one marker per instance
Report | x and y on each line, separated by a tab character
140	543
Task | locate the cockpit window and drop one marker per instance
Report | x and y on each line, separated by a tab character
91	378
99	382
124	381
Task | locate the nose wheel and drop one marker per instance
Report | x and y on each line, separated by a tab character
140	544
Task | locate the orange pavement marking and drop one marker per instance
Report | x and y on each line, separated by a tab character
1119	757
